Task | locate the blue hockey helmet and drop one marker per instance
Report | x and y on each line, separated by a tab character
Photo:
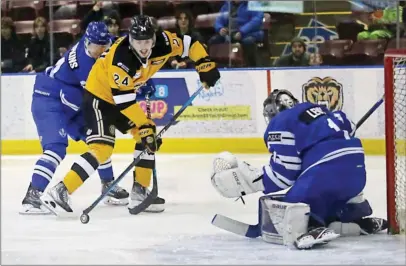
97	33
97	39
276	102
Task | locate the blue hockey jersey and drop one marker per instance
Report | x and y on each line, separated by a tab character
67	78
302	137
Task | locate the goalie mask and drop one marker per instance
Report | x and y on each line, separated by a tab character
276	102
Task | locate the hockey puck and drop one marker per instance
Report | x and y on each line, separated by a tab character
84	218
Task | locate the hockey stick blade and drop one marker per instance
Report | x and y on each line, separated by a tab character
236	227
149	199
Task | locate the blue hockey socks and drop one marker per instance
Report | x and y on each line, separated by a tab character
46	166
106	171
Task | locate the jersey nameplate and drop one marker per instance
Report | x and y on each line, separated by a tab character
72	58
311	114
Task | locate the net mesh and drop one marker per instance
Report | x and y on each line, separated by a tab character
399	115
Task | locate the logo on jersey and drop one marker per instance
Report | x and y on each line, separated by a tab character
83	84
275	137
123	67
166	38
157	62
137	75
175	42
324	91
112	130
62	132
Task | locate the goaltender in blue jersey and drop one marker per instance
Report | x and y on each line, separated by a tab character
316	166
56	101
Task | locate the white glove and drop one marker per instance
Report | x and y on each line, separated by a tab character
234	178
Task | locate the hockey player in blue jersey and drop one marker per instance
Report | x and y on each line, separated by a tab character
56	102
321	165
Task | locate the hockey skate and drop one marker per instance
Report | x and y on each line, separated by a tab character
315	237
139	193
372	225
117	196
57	201
31	204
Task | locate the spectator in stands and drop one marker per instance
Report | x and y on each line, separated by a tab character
99	12
241	25
113	22
298	57
185	26
12	53
383	25
238	24
315	59
38	51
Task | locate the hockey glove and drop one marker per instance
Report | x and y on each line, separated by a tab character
147	134
208	72
147	88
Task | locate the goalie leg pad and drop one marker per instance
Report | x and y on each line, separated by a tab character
281	222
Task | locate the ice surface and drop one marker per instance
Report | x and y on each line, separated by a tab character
180	235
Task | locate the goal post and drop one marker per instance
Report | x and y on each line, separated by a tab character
395	138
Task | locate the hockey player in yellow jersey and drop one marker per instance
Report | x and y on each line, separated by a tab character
109	103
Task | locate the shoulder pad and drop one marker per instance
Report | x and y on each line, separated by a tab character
125	59
162	45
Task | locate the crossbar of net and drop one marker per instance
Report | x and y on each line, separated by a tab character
399	68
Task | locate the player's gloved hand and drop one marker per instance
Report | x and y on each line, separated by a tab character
145	89
147	133
208	72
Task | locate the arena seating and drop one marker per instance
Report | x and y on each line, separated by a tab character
68	13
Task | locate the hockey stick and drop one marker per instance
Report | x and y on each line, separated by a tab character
368	114
253	231
84	217
154	192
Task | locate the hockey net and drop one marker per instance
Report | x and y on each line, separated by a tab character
395	135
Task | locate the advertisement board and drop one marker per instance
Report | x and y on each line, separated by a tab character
228	116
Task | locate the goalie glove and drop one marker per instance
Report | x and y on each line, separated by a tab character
208	72
234	178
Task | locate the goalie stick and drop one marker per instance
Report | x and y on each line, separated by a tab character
254	231
149	199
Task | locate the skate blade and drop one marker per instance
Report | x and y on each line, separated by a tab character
110	201
28	213
59	214
28	209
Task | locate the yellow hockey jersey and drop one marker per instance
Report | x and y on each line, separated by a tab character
118	73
